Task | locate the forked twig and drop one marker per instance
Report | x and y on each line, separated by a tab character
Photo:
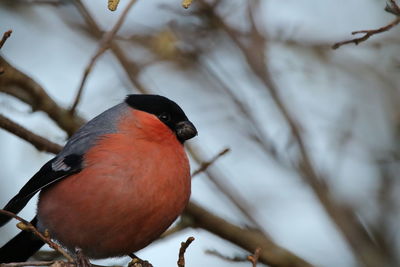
392	8
27	226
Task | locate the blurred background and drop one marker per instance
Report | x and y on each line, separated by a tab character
313	132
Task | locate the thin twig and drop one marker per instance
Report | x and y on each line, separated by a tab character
27	226
41	144
182	250
367	34
204	165
254	257
342	215
226	258
27	263
6	35
103	46
230	192
249	239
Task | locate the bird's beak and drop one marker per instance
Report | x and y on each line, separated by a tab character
185	130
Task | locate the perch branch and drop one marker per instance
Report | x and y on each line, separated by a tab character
247	239
27	226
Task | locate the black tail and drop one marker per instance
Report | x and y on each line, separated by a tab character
21	247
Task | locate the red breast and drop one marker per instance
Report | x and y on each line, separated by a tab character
134	184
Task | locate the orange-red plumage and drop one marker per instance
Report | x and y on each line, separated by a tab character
117	184
133	185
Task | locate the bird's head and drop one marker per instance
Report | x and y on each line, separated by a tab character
167	111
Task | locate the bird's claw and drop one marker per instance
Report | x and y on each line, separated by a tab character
137	262
81	260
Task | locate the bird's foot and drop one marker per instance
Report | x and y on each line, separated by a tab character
138	262
81	260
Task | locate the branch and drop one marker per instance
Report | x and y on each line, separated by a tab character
182	251
253	258
226	258
229	191
391	7
6	35
27	226
28	263
359	239
205	164
15	83
131	69
271	254
103	46
274	255
367	34
245	238
40	143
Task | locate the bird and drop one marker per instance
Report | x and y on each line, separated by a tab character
118	183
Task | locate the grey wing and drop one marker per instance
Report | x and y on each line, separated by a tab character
69	161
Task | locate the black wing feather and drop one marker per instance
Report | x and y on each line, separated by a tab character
43	178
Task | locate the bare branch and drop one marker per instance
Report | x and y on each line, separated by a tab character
104	45
204	165
28	263
226	258
393	8
37	141
27	226
131	69
253	258
343	216
182	251
249	239
233	195
367	34
15	83
6	35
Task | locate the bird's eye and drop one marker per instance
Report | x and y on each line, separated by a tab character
164	117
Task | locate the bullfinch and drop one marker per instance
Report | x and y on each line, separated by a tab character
119	182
